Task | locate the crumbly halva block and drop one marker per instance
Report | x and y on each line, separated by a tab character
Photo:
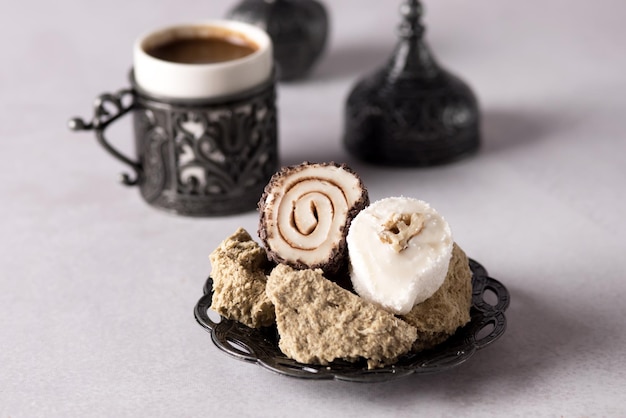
438	317
319	322
238	270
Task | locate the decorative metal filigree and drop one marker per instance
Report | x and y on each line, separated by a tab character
152	143
196	157
260	346
108	108
216	151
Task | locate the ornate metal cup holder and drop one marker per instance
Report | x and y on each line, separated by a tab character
260	346
194	157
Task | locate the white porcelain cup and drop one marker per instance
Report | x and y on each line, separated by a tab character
202	81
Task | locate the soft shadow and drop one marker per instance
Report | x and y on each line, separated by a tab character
505	129
351	61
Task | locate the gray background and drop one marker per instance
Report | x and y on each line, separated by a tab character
97	289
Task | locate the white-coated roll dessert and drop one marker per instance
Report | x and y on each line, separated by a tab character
399	250
306	211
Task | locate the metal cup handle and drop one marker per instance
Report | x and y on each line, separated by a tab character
109	107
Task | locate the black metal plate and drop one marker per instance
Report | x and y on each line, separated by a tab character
260	346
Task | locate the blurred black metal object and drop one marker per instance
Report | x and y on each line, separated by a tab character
298	28
411	112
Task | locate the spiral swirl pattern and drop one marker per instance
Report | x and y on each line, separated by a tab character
307	218
306	210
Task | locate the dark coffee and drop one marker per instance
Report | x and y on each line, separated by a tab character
203	50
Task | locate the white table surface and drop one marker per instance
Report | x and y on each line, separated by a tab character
97	289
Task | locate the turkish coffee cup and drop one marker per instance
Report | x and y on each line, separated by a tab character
203	101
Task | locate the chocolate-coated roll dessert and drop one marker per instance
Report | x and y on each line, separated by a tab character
305	213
